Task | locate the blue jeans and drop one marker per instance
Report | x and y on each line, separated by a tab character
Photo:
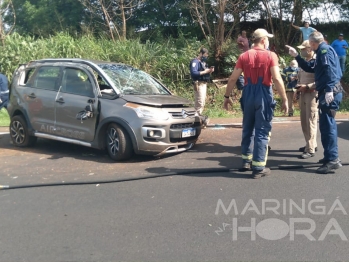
342	62
328	126
4	100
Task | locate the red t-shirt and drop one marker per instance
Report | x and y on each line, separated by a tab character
257	62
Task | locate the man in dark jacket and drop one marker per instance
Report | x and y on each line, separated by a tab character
200	74
327	80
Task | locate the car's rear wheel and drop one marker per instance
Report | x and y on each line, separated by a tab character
119	145
19	132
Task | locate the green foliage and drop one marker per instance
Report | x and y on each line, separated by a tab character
231	54
344	107
45	17
168	60
4	117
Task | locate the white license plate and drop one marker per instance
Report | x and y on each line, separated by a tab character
188	132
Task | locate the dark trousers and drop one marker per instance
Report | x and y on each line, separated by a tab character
328	126
258	105
4	100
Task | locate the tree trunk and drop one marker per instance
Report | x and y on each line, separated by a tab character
123	20
298	10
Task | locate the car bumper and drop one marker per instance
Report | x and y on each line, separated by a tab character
163	139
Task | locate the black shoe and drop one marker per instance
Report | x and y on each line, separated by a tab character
306	155
269	148
261	173
329	166
246	166
323	161
290	114
302	149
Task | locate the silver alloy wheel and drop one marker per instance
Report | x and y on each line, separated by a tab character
17	132
113	141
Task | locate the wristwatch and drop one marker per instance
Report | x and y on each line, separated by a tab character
307	87
226	96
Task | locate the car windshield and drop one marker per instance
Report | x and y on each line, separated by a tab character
131	81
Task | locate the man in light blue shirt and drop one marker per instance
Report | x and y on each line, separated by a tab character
340	46
306	30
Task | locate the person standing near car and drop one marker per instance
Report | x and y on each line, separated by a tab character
259	66
4	92
341	46
308	102
200	74
327	80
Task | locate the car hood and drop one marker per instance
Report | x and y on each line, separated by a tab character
158	100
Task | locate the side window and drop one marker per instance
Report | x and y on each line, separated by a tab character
47	78
25	78
76	81
102	83
28	75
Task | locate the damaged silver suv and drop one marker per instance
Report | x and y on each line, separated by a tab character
99	104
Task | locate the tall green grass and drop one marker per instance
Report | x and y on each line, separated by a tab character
168	61
4	118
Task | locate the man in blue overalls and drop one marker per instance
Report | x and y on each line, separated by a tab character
327	76
3	91
259	67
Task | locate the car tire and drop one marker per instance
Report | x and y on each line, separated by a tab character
118	143
19	132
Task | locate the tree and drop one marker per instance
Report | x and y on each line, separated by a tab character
45	17
113	13
164	15
212	18
4	8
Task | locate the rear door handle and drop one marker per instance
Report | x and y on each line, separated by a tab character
32	95
60	100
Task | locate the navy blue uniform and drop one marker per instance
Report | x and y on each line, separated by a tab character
3	91
327	76
196	66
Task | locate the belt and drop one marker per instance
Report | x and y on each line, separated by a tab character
310	91
336	89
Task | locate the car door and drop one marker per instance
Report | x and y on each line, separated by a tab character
40	93
77	94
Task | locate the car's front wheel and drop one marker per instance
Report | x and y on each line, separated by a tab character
19	132
119	145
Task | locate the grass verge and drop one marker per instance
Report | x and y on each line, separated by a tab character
4	118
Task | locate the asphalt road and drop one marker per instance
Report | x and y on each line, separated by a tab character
293	215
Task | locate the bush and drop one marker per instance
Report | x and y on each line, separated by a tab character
168	60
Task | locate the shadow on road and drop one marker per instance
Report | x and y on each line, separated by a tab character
234	161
